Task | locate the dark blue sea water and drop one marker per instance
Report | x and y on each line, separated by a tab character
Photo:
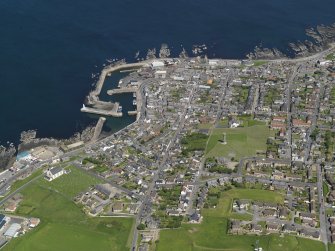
49	48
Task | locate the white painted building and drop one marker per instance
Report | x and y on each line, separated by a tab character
54	173
155	64
160	74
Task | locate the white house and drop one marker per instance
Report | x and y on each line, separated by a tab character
155	64
160	74
178	78
213	62
54	173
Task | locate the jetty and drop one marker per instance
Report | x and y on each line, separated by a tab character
136	94
122	90
93	96
112	112
98	129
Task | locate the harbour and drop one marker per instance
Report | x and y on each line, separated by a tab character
60	77
113	109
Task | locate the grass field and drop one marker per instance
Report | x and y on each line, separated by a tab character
226	199
194	142
240	142
325	189
63	224
211	234
70	184
260	62
330	56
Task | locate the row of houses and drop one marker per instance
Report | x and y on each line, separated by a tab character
240	227
98	198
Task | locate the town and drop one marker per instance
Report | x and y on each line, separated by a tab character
248	144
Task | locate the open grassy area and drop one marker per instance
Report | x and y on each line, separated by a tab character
329	144
241	93
330	56
271	95
223	209
260	62
63	224
205	126
240	142
194	142
325	188
211	234
70	184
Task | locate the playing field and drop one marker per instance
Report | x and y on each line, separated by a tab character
211	234
63	224
223	209
71	184
240	142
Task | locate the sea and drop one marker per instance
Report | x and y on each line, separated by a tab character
50	49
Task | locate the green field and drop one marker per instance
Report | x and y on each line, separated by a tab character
70	184
194	142
325	188
330	56
64	226
240	142
211	234
223	208
260	62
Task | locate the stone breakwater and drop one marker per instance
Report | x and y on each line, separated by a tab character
94	104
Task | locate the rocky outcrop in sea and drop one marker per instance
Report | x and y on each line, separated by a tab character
7	155
320	39
265	53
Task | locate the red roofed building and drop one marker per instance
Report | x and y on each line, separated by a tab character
277	125
300	123
278	119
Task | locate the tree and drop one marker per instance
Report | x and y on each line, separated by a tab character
141	226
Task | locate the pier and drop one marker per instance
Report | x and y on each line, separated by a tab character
122	90
111	112
137	94
98	128
103	108
93	96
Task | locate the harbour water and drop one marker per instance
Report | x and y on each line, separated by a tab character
49	49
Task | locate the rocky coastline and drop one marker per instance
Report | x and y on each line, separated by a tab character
321	38
7	156
29	141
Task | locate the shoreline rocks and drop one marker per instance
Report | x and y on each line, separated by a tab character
7	156
321	37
